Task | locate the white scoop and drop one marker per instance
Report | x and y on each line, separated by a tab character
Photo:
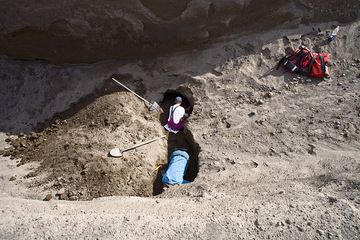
117	152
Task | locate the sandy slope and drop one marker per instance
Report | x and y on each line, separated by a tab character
259	177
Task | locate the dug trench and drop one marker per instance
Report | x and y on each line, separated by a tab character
181	140
73	147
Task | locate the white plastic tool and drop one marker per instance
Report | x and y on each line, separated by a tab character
117	152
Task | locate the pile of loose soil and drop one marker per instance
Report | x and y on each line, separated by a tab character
73	152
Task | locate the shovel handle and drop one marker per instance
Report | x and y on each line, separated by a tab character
144	143
146	101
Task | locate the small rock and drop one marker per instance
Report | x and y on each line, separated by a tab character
259	102
227	125
34	136
312	149
339	84
106	122
61	191
332	199
66	146
48	197
269	94
31	174
300	228
13	178
287	221
257	224
251	114
62	196
320	232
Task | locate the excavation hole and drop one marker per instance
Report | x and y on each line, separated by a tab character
183	139
72	147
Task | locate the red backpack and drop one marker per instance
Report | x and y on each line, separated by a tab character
302	61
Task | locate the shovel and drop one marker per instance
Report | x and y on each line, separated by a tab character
153	107
117	152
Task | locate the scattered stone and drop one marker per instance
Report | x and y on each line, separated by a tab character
30	175
66	146
257	225
251	114
300	228
62	196
259	102
272	151
332	199
13	178
287	221
23	143
107	122
312	149
320	232
48	197
34	136
269	94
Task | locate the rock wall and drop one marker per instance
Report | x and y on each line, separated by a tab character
70	31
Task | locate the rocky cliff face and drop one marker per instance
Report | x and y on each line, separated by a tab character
70	31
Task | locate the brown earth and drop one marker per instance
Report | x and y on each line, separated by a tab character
73	152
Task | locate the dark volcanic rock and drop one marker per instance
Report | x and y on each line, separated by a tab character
88	31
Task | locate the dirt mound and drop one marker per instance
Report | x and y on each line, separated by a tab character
73	152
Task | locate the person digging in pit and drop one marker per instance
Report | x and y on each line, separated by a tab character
177	117
179	161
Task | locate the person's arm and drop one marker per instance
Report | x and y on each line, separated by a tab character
170	112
